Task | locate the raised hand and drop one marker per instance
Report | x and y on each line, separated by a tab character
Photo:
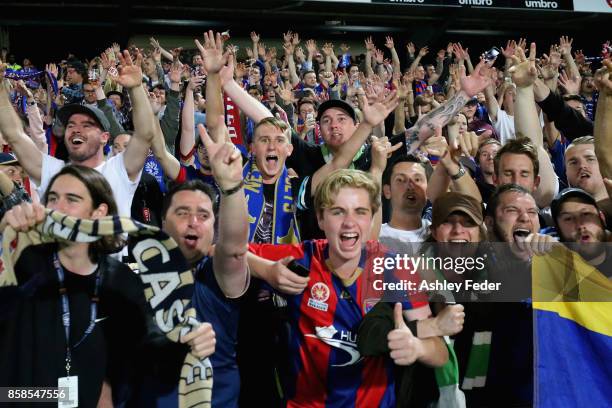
212	52
478	80
295	40
129	73
389	42
405	348
289	48
311	46
524	72
571	84
381	151
459	52
254	37
194	81
261	50
369	44
225	158
602	78
579	57
155	104
374	114
156	55
566	45
441	54
240	70
287	37
328	49
423	51
378	56
509	50
154	43
175	73
50	68
105	61
410	48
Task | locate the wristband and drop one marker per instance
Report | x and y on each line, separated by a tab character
231	190
459	174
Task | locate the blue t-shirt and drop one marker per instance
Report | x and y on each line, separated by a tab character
214	307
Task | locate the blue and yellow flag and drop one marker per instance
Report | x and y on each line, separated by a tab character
572	332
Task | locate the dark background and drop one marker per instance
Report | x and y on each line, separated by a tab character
47	30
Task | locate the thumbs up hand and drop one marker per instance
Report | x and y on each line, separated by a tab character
450	320
404	346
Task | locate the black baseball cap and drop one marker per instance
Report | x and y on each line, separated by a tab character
336	103
566	194
67	111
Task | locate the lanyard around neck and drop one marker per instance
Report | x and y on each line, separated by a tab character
66	310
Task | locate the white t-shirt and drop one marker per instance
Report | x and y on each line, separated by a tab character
113	170
504	126
403	241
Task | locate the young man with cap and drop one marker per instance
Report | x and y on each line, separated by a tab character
581	225
87	132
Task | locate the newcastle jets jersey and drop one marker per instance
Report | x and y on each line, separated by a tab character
326	367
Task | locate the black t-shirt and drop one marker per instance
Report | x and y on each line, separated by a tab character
307	158
32	338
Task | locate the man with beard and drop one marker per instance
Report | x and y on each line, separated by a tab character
581	225
87	132
512	219
582	167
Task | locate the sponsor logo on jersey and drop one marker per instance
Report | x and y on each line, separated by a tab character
344	340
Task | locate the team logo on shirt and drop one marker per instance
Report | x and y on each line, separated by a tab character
347	342
319	293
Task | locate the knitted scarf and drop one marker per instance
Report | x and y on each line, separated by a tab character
168	282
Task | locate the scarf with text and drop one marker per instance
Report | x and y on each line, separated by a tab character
167	282
284	223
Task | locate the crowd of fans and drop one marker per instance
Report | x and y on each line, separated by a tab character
295	168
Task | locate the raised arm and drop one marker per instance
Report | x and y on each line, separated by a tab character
165	53
394	57
187	141
230	260
130	77
603	119
566	52
450	173
373	115
440	116
527	122
381	151
30	157
289	50
37	132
